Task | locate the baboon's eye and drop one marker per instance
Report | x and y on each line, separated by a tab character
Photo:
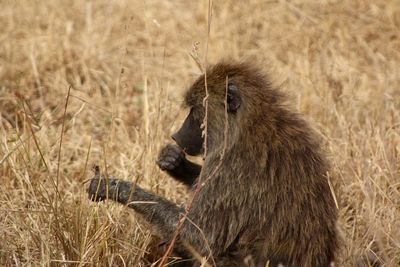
234	99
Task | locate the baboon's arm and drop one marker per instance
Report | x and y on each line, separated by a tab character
158	211
173	160
187	172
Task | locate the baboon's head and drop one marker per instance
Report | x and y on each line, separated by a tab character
234	95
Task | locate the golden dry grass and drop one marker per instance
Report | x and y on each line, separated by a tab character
127	64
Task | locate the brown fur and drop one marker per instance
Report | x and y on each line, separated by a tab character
264	194
270	197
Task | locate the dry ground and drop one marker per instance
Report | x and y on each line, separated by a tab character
127	64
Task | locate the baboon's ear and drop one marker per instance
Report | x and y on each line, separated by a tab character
234	99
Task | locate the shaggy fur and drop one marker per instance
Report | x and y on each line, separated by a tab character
270	197
266	196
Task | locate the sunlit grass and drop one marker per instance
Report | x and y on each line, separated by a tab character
127	64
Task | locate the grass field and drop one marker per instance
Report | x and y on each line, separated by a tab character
110	76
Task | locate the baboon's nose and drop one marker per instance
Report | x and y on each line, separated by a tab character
174	137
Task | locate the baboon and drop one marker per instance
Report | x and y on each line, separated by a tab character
264	195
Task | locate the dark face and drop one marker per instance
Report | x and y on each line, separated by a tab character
189	136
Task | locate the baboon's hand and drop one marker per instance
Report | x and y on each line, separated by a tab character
101	189
171	157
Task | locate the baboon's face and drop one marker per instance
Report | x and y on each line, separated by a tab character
189	137
224	97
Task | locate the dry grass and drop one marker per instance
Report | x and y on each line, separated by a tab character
128	62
